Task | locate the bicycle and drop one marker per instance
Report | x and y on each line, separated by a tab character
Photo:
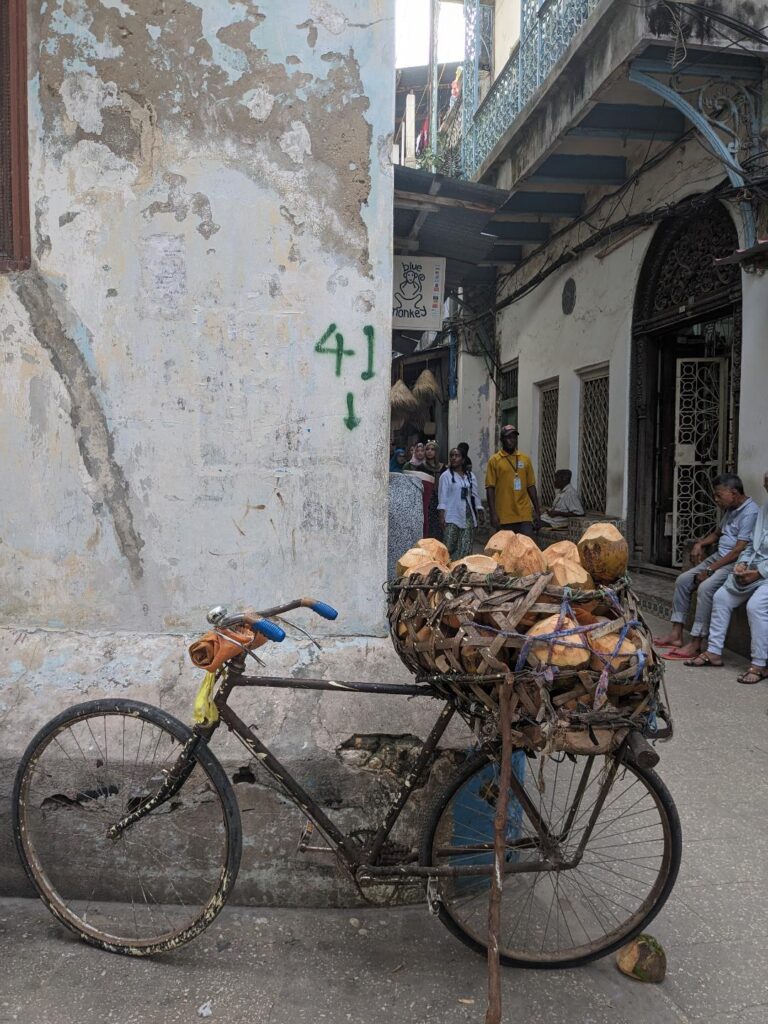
592	843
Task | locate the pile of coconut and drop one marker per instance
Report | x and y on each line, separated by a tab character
577	604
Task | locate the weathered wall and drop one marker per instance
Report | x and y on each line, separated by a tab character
211	191
470	418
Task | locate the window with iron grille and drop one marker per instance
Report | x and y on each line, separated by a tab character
593	458
508	395
14	202
549	400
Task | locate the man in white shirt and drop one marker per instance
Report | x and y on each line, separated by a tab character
566	504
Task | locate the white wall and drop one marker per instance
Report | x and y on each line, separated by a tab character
210	193
470	417
549	343
506	31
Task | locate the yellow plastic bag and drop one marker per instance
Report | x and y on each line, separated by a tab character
206	712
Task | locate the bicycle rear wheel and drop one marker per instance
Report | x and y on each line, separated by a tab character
556	918
165	878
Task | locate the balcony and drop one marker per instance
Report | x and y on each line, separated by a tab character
594	91
571	55
547	32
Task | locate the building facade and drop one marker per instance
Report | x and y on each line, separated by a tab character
629	138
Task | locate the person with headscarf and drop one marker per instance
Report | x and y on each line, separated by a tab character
458	505
432	461
416	461
397	461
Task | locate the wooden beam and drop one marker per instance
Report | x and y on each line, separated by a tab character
463	204
434	188
408	244
408	204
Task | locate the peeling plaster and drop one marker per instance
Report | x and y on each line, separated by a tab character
90	86
89	423
296	143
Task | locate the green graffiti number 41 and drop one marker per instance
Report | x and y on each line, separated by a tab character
351	421
338	350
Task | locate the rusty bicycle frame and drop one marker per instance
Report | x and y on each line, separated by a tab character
363	861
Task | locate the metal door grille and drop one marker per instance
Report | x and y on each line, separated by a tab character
700	418
593	458
548	442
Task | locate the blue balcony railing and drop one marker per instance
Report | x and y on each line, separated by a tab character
547	29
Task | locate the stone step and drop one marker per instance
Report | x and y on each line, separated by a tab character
654	593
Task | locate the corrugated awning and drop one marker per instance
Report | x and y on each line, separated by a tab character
440	216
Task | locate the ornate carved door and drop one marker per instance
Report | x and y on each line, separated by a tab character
700	444
685	383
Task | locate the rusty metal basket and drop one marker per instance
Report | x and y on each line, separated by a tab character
463	632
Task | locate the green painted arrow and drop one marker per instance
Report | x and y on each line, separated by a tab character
351	421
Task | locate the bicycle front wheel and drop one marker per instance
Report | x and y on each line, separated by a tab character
166	877
630	854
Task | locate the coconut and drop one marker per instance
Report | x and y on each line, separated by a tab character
566	573
476	563
437	550
643	959
424	568
563	549
603	552
572	653
413	557
516	554
471	659
606	645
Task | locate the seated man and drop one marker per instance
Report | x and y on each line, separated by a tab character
566	504
747	583
731	536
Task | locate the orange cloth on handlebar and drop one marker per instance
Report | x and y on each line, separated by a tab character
212	650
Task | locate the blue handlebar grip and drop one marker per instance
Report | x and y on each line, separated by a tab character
269	630
325	610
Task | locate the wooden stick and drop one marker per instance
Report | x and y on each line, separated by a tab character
493	1014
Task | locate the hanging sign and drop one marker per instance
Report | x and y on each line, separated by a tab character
418	285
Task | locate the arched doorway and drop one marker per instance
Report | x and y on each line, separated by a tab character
686	352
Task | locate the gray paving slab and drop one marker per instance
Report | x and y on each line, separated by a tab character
400	965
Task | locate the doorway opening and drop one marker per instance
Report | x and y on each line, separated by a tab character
686	357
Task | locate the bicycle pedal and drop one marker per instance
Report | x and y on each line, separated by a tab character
305	845
306	836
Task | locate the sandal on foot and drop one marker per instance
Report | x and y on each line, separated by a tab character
702	661
751	676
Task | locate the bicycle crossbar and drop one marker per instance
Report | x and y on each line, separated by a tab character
331	685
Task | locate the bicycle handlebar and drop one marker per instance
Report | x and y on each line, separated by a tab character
258	621
269	630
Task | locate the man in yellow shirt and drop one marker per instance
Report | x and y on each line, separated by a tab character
510	486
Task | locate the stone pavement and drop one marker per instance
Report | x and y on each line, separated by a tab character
400	966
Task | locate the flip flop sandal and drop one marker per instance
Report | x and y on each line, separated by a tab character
701	661
759	676
662	646
675	655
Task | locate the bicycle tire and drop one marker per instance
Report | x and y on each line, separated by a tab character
166	877
462	902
